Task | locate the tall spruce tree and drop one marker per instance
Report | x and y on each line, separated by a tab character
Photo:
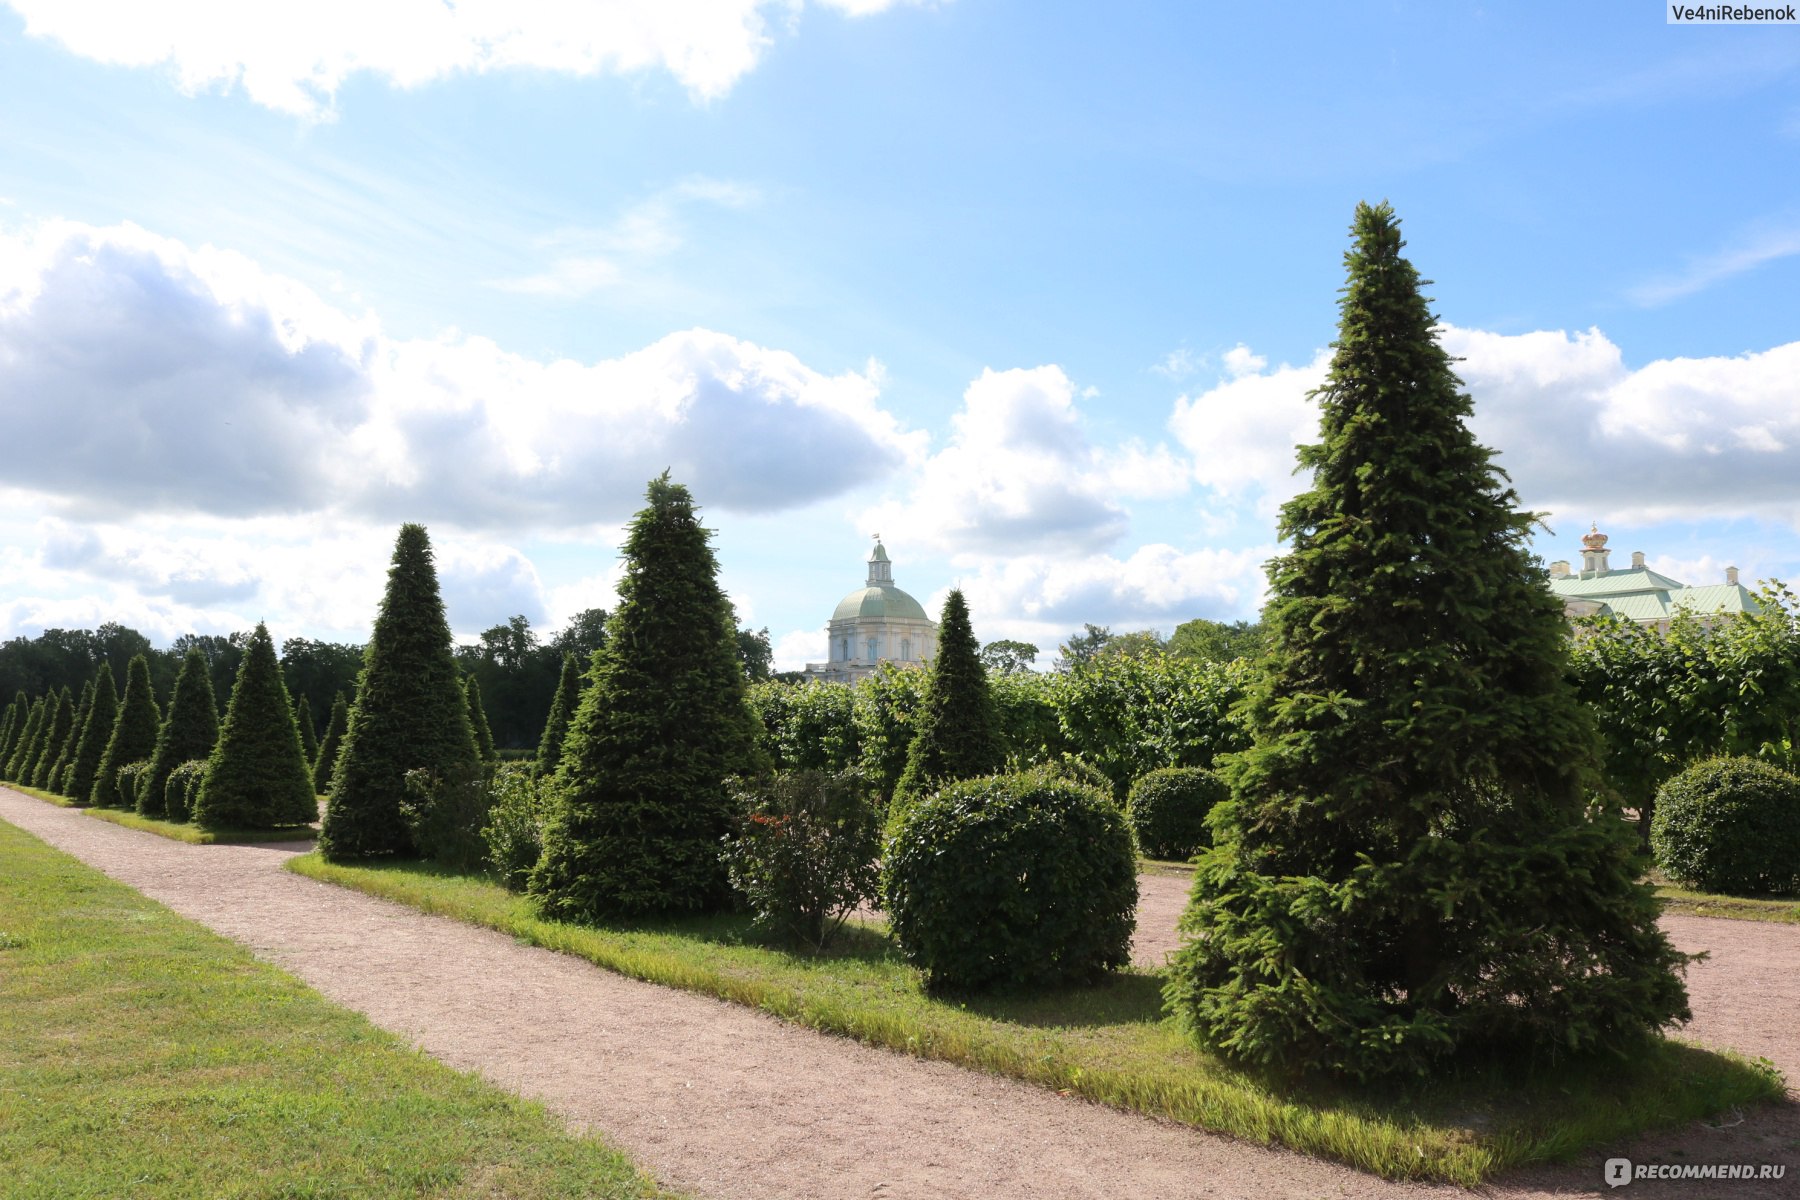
52	743
96	732
309	739
133	737
326	758
190	731
562	708
59	770
1413	864
257	776
28	741
478	722
410	713
955	731
640	800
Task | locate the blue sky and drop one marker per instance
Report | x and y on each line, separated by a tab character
1035	290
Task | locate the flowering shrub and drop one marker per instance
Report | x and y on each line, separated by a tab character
804	853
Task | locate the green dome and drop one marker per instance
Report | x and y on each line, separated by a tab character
878	601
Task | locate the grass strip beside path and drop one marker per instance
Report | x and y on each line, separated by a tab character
1783	910
142	1055
181	831
1111	1043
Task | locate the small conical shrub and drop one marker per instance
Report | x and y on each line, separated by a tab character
59	770
478	722
34	720
640	801
52	743
78	785
189	732
955	730
562	708
326	758
133	737
410	714
309	741
257	776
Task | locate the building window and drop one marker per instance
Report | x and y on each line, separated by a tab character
874	644
844	650
905	649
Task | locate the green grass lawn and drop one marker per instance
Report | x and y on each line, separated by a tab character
143	1056
1780	909
185	832
1111	1043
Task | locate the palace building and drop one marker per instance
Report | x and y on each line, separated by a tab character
876	623
1639	594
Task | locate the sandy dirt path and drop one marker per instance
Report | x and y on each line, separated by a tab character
727	1103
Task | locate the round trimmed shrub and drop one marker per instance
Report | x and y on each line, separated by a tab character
182	787
1730	825
1011	881
127	781
1167	811
1080	770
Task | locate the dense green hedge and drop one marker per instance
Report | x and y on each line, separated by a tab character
1011	881
1730	825
1167	810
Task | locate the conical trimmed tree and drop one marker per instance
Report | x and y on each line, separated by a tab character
52	743
28	740
478	722
309	740
410	713
955	731
562	708
133	737
96	732
9	726
190	731
1413	865
59	770
326	758
257	776
640	800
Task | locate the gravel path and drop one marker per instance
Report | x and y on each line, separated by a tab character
727	1103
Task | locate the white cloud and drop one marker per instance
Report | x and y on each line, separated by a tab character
1043	599
1019	475
1576	428
159	378
1179	363
796	648
1241	433
295	57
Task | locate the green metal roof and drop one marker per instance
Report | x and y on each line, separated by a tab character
888	601
1661	606
1629	582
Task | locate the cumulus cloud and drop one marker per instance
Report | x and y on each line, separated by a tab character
150	376
294	57
1019	475
1042	599
1577	429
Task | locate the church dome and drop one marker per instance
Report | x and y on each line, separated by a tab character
881	600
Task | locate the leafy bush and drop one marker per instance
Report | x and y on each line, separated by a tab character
514	832
1131	715
127	781
1011	881
183	788
807	727
1079	770
1167	810
1730	825
446	813
804	853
